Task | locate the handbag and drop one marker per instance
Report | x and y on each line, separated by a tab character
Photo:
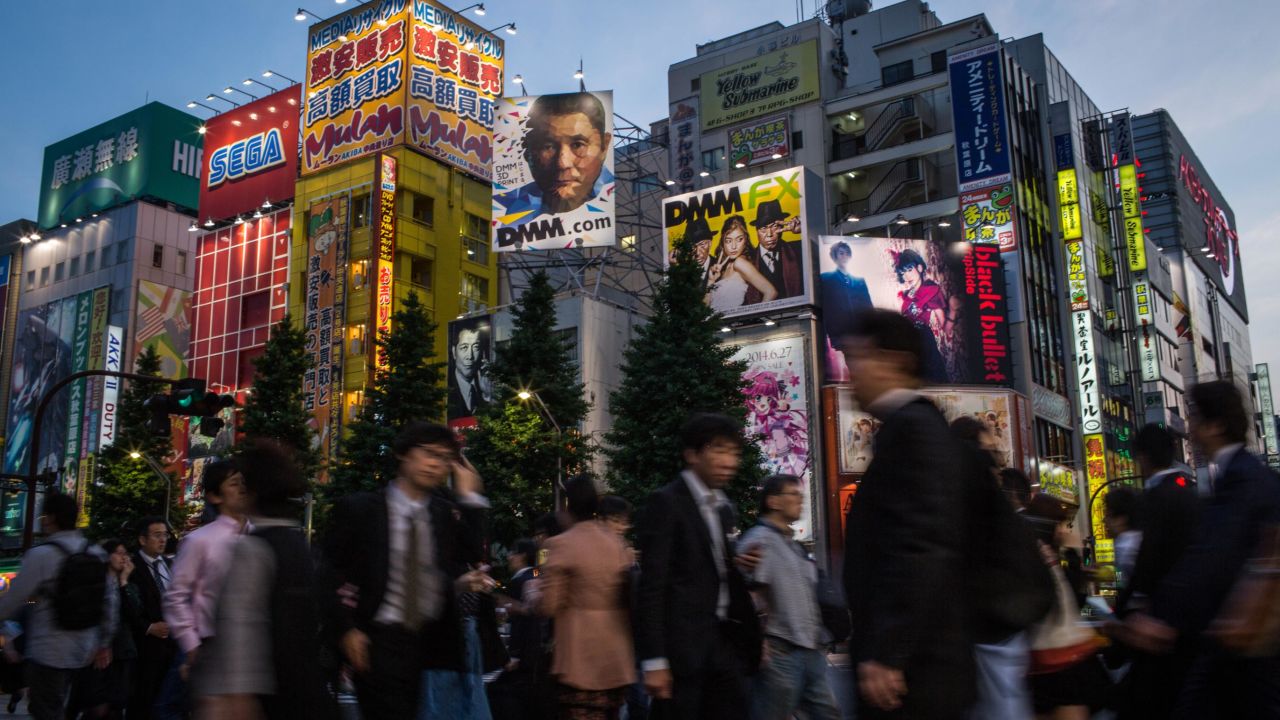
1249	623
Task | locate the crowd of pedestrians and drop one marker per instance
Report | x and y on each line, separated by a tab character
956	596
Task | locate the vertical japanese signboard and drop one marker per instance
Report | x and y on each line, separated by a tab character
1148	359
686	143
1087	369
114	356
1131	203
1095	472
1267	405
76	391
383	295
323	318
977	108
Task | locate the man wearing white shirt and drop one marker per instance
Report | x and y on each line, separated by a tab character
156	649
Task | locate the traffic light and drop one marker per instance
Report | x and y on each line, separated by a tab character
188	397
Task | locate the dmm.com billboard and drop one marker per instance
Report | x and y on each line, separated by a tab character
252	156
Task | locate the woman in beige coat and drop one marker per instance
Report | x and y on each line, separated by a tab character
584	586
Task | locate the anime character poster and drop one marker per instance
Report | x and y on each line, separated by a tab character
954	294
42	355
777	399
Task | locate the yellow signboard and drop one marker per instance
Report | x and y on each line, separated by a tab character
1069	204
1131	202
1095	471
760	86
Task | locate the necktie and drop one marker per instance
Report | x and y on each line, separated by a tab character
412	570
474	394
771	259
161	574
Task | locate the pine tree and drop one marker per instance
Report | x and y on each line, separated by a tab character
125	488
275	406
675	366
410	388
516	448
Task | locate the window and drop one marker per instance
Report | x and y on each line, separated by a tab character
75	266
123	253
695	84
896	73
711	159
89	257
58	271
475	239
644	184
628	243
475	292
797	140
182	263
44	276
31	279
421	207
938	61
568	338
420	270
361	210
106	255
477	227
157	256
477	251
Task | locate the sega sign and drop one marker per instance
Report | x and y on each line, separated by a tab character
245	157
254	157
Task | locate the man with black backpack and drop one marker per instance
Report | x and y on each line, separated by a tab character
73	618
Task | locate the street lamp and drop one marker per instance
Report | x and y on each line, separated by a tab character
213	97
168	481
478	6
271	73
525	396
229	89
193	104
303	13
250	81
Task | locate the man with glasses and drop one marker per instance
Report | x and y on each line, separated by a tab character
156	649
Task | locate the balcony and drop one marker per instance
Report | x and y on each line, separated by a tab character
906	183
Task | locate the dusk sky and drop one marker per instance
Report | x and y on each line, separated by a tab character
1212	65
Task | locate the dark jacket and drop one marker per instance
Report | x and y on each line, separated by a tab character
151	650
680	587
787	276
125	644
1169	515
903	574
842	297
357	549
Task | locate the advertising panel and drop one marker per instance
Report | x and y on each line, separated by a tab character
154	151
252	155
1211	231
326	299
164	322
1059	481
1069	205
762	85
114	355
760	142
1087	369
1095	472
384	294
470	357
97	361
76	390
977	108
751	237
1267	405
1077	278
686	145
1148	360
553	183
954	294
776	393
42	355
1131	203
988	216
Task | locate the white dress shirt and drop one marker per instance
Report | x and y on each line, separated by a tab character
401	510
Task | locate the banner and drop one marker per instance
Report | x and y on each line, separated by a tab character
988	216
685	140
954	294
978	112
470	357
1095	472
751	238
553	183
1266	404
760	142
252	155
323	318
1148	359
1131	204
114	353
42	355
762	85
76	391
1087	371
776	393
164	322
384	293
1059	481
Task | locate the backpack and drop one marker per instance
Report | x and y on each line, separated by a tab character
79	590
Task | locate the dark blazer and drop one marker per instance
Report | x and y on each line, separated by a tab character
1169	515
680	587
787	276
1245	499
150	649
842	297
903	565
357	549
458	404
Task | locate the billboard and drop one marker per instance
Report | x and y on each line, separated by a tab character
760	142
1144	311
987	214
553	183
113	352
1059	481
154	151
1131	204
396	72
954	294
776	394
978	112
384	292
1267	405
164	322
252	155
326	297
751	237
762	85
42	355
470	357
1088	367
686	145
1214	240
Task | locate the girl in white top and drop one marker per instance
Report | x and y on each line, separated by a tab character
734	270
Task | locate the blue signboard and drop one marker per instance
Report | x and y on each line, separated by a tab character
1062	152
977	107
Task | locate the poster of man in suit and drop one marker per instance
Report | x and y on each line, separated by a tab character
470	356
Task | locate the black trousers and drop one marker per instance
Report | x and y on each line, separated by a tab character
718	691
149	674
1224	687
393	685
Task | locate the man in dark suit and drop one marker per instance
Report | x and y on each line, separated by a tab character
781	263
470	388
394	623
156	649
843	295
697	634
1243	501
903	563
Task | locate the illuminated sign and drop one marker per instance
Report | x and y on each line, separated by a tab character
245	157
977	109
386	214
1220	239
764	84
1131	202
1077	279
1148	359
1069	204
254	157
988	216
760	142
1086	370
114	342
1095	471
1268	409
1058	481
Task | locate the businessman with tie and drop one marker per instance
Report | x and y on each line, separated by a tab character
156	648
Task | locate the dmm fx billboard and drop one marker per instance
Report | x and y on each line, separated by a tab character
398	72
977	108
760	86
154	151
751	238
252	155
553	184
384	291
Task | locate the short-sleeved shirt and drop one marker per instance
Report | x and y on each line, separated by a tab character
789	580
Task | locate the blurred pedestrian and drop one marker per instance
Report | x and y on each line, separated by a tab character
1243	503
584	587
512	695
1122	520
903	569
395	622
156	648
696	628
615	513
793	672
74	611
113	683
1017	488
264	652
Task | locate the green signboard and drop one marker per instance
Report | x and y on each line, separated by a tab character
760	86
153	151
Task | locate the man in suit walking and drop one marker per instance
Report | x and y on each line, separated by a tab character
902	570
697	634
781	263
1243	501
395	622
843	295
156	649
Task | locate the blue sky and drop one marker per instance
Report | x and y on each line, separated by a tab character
1213	65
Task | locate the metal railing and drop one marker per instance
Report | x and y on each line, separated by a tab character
902	174
890	119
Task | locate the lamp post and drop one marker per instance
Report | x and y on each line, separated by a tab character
525	396
168	481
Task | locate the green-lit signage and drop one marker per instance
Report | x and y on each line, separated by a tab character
760	86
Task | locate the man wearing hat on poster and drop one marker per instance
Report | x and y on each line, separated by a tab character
698	234
781	263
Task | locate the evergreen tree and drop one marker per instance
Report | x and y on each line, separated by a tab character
675	366
410	388
516	448
275	407
126	489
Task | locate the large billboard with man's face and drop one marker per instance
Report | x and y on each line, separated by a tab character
750	237
553	183
470	356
